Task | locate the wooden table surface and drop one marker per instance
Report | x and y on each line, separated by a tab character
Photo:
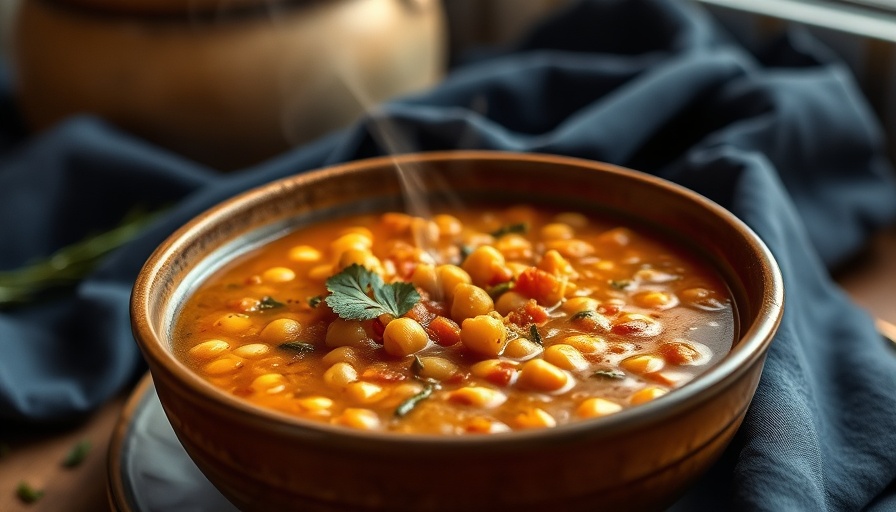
35	456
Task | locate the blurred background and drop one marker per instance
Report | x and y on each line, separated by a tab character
862	32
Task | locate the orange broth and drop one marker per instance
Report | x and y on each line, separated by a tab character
526	318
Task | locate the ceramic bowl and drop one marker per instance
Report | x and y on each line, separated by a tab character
641	458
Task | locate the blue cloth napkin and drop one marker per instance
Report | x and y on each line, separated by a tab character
783	139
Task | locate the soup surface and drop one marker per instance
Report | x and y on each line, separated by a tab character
476	321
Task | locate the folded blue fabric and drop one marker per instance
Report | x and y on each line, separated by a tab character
784	140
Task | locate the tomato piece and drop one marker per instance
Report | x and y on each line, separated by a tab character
444	331
539	285
530	313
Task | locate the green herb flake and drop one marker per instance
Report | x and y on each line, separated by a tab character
404	408
70	264
620	284
315	301
609	374
77	454
519	228
416	366
499	289
356	293
297	346
465	250
581	315
535	335
268	302
28	494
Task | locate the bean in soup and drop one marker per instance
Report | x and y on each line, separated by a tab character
475	321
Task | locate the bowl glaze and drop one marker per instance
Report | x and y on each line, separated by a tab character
640	458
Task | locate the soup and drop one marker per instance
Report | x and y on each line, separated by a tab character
474	321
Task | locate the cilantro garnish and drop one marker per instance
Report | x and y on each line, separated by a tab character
356	293
408	405
28	494
297	346
609	374
520	228
269	303
499	289
583	314
620	284
315	301
77	454
535	335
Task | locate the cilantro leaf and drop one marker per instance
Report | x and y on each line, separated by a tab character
410	403
535	335
520	228
77	454
268	302
351	290
28	494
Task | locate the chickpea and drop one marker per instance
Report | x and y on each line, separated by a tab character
425	277
655	299
437	368
341	333
361	230
365	392
362	257
209	349
555	264
514	246
510	301
223	366
642	364
270	383
449	225
252	350
572	248
340	375
496	371
350	241
477	396
320	272
451	276
315	405
596	407
234	323
578	304
541	375
304	254
566	357
586	343
425	232
404	336
278	275
281	330
557	231
535	418
573	219
484	335
469	301
483	264
647	394
522	349
363	419
396	223
344	354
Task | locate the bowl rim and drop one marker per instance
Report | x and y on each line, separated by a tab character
750	348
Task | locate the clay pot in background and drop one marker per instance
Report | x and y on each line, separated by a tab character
225	82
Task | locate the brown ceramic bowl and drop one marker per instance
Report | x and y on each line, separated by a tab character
640	458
